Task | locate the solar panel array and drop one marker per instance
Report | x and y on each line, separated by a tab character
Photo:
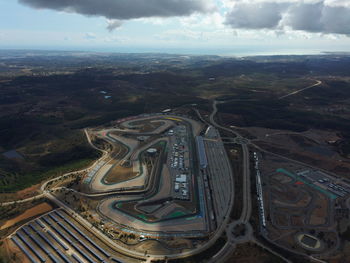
24	250
47	238
29	244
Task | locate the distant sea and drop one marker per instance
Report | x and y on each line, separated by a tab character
236	51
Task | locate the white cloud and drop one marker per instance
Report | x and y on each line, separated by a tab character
158	21
90	36
212	21
113	24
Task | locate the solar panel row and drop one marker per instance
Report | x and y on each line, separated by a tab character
47	221
40	244
66	238
80	242
53	217
31	225
83	254
24	250
57	240
39	223
28	244
77	258
62	235
88	239
60	214
25	229
63	256
54	259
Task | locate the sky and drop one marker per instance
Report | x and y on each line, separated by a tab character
221	27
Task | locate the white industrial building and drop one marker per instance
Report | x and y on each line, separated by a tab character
182	178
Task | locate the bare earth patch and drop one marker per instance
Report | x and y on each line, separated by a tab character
120	174
34	211
16	254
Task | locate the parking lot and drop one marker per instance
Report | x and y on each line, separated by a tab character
179	162
219	175
325	182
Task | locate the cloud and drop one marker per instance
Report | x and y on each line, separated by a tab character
125	9
255	16
306	17
316	16
90	36
114	24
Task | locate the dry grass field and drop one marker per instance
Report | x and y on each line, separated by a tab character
120	174
34	211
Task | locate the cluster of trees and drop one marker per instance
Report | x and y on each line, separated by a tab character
276	114
64	157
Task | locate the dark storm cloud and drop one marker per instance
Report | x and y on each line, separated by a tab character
124	9
255	16
306	17
311	17
336	20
